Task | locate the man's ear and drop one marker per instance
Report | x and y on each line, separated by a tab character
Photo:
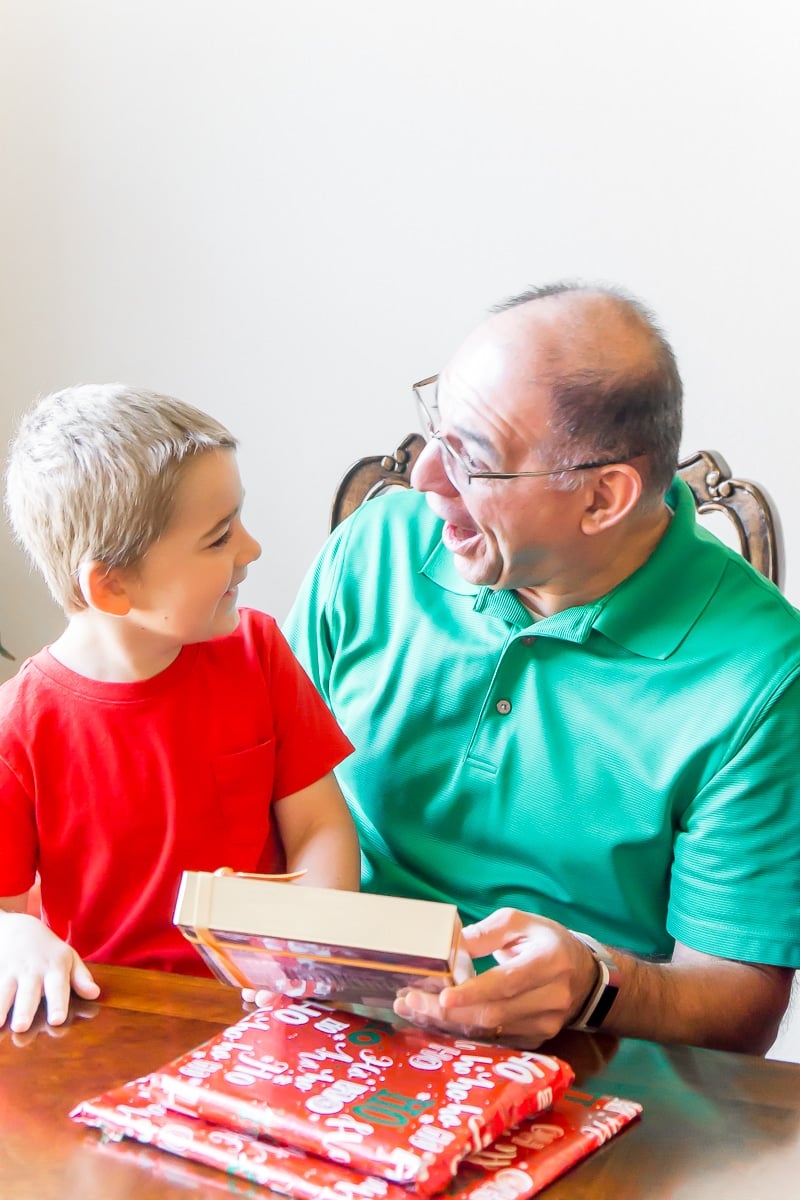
103	588
614	493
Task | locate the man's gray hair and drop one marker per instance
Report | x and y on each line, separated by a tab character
92	474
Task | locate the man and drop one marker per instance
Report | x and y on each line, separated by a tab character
572	708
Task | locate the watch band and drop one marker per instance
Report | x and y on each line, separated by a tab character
604	993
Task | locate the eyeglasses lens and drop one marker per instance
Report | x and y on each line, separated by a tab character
429	418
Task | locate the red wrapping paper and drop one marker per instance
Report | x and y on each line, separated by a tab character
397	1103
526	1159
131	1111
519	1164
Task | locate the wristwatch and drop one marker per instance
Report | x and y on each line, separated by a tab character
604	992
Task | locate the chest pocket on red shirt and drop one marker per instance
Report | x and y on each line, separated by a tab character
244	795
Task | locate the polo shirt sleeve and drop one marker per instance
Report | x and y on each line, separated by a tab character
18	841
308	627
735	889
308	740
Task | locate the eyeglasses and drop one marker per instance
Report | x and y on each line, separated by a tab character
456	467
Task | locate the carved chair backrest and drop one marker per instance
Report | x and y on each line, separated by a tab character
746	505
369	477
752	515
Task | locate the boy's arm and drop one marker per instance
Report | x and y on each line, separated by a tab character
35	963
319	836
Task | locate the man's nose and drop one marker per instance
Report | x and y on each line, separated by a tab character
428	473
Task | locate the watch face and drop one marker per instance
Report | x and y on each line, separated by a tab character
603	1006
605	991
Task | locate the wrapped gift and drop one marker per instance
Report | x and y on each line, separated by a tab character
519	1164
526	1159
401	1104
131	1111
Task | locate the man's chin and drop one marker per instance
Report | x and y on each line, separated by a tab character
473	568
474	573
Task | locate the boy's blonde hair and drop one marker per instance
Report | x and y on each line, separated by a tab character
92	475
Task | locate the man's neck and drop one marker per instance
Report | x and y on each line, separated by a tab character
616	564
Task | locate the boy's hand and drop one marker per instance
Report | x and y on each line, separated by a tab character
279	985
35	963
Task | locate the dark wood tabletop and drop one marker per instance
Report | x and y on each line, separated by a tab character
714	1125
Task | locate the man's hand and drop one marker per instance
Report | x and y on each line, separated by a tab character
542	980
545	975
34	963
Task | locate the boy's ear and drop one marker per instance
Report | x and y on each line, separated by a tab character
103	588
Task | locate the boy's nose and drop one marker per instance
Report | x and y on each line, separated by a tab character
251	549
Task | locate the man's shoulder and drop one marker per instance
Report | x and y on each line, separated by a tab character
747	598
380	549
398	517
749	629
710	586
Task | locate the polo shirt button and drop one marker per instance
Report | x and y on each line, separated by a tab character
528	640
503	707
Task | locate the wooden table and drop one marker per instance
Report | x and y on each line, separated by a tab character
714	1125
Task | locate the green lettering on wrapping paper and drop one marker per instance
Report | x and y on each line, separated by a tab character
390	1108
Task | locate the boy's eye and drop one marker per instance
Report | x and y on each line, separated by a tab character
226	537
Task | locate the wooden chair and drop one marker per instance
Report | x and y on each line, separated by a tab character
746	505
370	477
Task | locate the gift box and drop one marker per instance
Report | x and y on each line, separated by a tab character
401	1104
519	1164
132	1111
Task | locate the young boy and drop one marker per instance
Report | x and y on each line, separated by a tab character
165	729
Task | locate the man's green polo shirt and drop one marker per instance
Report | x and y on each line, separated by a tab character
630	767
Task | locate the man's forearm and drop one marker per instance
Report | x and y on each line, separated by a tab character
700	1000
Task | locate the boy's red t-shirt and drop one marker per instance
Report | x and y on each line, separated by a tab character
111	790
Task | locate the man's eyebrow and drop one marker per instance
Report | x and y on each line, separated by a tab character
474	439
220	525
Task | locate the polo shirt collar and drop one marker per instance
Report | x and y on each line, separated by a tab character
440	568
649	613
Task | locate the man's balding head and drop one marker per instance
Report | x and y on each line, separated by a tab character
614	387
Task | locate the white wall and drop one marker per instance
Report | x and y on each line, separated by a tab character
285	211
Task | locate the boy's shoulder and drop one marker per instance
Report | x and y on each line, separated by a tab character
41	686
255	634
23	696
254	623
27	678
256	649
